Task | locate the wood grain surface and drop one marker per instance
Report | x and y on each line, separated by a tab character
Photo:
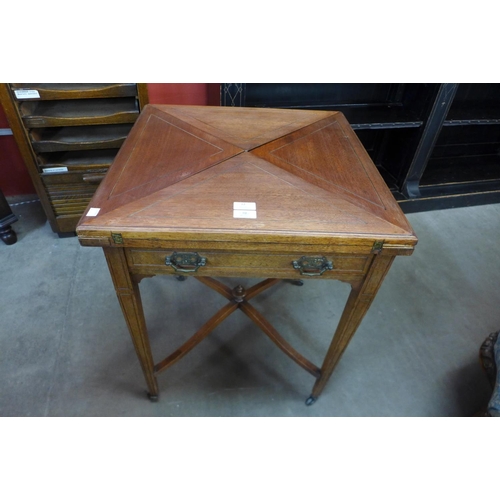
305	170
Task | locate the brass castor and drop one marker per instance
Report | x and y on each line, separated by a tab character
153	399
310	400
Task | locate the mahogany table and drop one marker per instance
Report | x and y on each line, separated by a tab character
243	192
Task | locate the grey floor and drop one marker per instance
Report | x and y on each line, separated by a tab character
65	350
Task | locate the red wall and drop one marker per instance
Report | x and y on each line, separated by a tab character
14	177
201	94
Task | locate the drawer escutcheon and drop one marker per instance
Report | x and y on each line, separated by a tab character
312	266
185	262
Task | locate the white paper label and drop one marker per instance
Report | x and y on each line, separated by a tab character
93	212
244	205
27	94
52	170
245	214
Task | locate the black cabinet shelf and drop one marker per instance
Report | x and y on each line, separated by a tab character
435	145
483	114
462	170
479	121
475	104
379	117
389	148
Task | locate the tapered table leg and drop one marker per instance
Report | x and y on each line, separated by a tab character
358	303
129	297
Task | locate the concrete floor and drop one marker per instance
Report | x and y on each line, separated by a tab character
65	350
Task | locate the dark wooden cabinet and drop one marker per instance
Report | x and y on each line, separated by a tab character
7	234
68	135
436	145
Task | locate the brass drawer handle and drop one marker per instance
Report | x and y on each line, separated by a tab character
312	266
187	262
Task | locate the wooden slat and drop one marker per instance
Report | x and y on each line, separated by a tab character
56	91
79	138
79	112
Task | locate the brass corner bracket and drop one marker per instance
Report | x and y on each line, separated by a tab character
117	238
377	247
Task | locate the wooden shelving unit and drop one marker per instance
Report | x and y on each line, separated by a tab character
68	135
435	145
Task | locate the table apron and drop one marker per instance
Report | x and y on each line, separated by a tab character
241	264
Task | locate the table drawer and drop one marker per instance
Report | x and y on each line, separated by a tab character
245	264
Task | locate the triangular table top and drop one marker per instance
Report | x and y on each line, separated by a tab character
193	170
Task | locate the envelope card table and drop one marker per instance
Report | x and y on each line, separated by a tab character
275	194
